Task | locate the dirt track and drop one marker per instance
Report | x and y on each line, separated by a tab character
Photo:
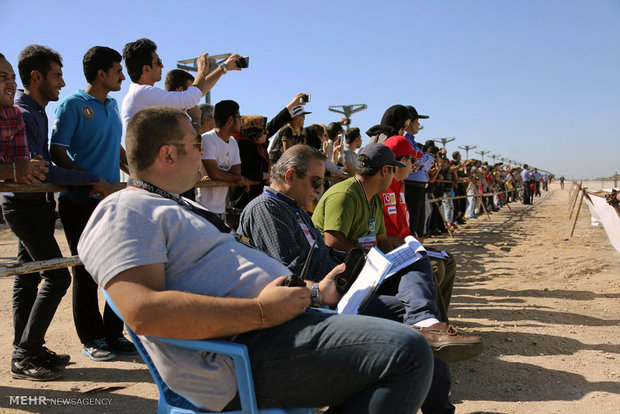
547	309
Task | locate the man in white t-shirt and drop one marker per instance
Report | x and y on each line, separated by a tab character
221	159
145	69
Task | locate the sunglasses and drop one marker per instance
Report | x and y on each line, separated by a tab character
317	182
391	169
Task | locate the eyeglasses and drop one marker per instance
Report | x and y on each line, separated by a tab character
197	145
158	62
317	182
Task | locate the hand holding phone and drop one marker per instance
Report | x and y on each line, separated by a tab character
354	263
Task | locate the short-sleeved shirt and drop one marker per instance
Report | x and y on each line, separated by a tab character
132	228
350	156
225	154
91	131
525	175
345	208
144	96
395	211
286	134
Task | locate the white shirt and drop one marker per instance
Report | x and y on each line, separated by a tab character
145	96
225	154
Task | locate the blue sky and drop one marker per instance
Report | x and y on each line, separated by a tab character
537	81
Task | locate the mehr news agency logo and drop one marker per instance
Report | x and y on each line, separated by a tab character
58	401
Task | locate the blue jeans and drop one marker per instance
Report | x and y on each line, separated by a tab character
354	364
409	297
32	218
89	323
448	207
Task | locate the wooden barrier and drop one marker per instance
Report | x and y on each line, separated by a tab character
12	269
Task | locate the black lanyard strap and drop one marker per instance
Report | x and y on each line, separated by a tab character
206	214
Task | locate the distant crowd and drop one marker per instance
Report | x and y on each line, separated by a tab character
208	262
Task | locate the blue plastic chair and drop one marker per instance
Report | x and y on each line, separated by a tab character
172	403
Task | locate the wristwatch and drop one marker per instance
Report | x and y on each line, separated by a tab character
223	66
314	295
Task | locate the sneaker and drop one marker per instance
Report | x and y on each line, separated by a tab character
33	369
123	346
448	344
98	350
52	359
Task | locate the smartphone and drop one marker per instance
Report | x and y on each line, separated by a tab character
305	98
243	62
354	263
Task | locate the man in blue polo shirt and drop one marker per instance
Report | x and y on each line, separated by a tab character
87	137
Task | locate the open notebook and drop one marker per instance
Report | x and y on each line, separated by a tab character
377	268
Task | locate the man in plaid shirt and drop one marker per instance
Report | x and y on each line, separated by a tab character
16	163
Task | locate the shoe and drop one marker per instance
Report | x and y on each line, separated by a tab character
123	346
448	344
98	350
33	369
52	359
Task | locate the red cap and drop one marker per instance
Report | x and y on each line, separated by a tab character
401	147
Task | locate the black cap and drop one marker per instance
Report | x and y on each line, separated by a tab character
415	114
379	155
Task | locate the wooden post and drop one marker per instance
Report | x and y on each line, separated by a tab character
575	202
482	203
583	193
41	265
573	197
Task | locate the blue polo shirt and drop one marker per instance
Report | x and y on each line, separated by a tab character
426	162
91	130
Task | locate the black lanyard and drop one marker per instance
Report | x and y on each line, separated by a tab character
371	204
209	216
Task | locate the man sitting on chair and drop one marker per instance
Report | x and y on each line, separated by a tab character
173	270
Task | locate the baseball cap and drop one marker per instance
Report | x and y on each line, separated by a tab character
415	114
401	147
378	156
298	110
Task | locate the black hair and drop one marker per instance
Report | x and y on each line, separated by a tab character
138	54
176	79
352	134
333	129
36	57
224	110
99	57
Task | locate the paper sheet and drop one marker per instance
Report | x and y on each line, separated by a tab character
406	254
371	276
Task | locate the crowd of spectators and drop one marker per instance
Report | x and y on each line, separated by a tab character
284	188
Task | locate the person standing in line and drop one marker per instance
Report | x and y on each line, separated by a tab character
87	137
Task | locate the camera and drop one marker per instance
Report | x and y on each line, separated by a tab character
243	62
305	98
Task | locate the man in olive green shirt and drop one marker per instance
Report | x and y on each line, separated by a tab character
350	213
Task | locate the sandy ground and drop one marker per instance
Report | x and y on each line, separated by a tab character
546	307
